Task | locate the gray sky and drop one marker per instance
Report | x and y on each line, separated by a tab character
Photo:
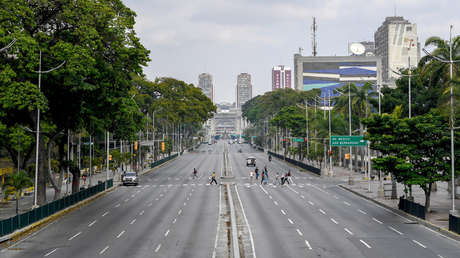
227	37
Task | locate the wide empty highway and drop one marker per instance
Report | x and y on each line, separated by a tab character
171	214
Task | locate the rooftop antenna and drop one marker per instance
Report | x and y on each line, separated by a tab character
300	50
314	28
395	9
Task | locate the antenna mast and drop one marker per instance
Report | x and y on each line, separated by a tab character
314	28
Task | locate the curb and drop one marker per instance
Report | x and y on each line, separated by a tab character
444	232
43	222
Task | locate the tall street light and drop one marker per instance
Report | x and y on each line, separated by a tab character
40	72
452	158
409	75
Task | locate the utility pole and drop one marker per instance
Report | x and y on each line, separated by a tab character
40	72
331	173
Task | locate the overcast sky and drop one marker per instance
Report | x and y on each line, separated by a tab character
228	37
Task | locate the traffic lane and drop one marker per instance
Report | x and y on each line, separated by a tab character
194	233
54	234
325	237
142	233
371	236
273	235
59	230
377	214
419	235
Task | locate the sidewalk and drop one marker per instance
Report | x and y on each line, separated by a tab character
25	203
441	201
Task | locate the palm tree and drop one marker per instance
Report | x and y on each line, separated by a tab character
15	183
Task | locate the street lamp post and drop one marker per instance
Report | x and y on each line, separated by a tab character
452	150
330	133
409	75
40	72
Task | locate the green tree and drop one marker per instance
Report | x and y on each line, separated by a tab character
15	183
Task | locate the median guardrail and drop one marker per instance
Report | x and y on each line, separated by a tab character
296	163
411	207
8	226
161	161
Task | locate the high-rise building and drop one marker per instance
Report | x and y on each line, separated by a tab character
281	77
396	41
206	85
243	89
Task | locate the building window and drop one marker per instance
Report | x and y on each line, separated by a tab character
409	28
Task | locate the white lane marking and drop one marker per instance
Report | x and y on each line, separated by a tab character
174	221
308	245
121	233
346	203
132	196
282	211
333	220
141	213
167	233
364	243
299	232
103	250
265	191
150	204
218	220
179	212
376	220
348	231
54	250
118	205
185	184
392	228
103	215
303	197
127	200
158	248
247	223
92	223
185	203
323	212
440	256
290	221
276	203
311	203
363	212
74	236
319	189
132	222
335	196
290	188
270	197
418	243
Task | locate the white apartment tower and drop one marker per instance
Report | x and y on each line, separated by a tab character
206	85
243	89
396	41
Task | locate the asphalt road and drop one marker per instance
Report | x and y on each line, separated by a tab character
313	217
172	215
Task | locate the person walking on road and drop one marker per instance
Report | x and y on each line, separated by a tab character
289	177
276	180
257	173
195	173
251	176
213	178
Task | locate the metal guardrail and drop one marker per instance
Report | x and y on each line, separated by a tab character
8	226
454	223
411	207
297	163
161	161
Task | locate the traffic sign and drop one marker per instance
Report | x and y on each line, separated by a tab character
298	139
345	140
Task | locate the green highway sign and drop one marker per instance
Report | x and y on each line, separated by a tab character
298	139
345	140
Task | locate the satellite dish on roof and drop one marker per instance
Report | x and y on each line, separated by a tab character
357	48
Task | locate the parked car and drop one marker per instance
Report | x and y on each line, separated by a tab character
130	178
